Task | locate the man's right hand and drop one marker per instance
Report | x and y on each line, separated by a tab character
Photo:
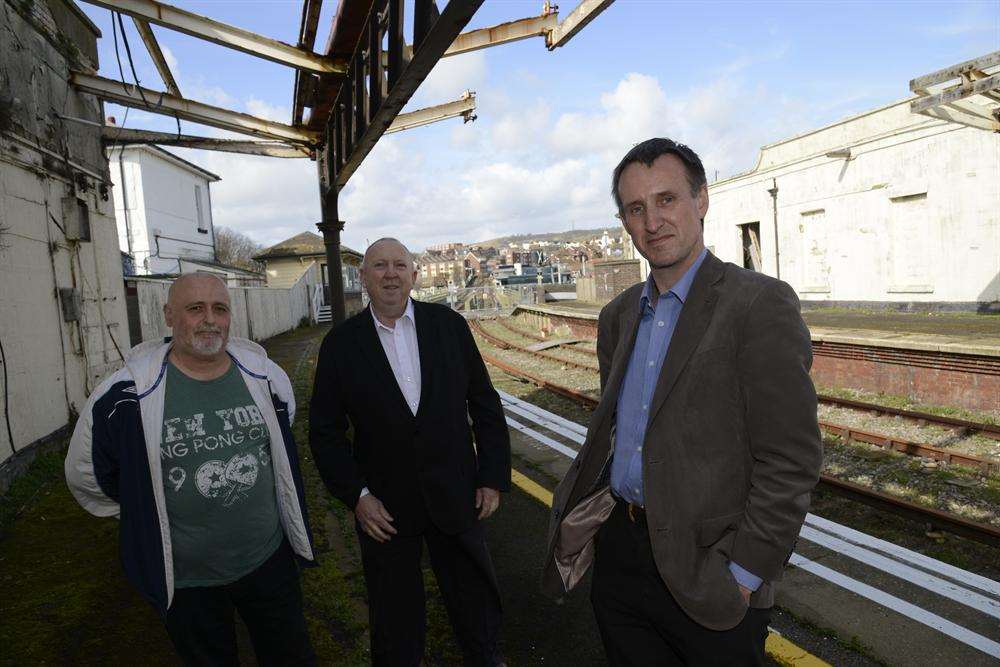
374	518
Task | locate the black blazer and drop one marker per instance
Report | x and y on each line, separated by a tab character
422	467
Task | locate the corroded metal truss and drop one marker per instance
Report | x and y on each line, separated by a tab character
355	89
967	93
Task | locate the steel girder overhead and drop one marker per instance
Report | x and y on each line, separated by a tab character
355	90
973	100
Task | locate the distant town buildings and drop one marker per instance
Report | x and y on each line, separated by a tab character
530	261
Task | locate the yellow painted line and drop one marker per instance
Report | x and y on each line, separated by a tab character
780	649
532	488
788	654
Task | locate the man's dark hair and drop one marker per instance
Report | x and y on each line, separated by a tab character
648	151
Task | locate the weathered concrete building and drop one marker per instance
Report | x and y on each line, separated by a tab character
62	306
884	208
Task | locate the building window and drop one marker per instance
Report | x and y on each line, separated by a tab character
913	239
815	242
202	226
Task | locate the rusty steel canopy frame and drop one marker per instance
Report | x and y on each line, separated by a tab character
972	100
355	90
371	98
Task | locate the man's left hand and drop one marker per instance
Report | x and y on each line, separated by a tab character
746	593
487	501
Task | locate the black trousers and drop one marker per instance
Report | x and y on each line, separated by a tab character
465	576
201	625
639	620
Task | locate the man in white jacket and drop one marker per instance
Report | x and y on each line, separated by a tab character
190	446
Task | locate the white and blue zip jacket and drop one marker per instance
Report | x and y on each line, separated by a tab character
113	463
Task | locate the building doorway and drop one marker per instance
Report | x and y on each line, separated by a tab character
750	233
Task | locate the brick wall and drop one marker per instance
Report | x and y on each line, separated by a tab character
614	276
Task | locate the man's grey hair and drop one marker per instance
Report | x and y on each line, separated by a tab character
181	279
384	239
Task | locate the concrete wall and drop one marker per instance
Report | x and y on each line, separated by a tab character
257	312
51	365
161	200
586	290
912	216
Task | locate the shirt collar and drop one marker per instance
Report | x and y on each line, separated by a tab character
680	288
407	313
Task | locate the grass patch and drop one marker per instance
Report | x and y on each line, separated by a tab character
851	644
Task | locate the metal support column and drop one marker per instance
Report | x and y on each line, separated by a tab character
331	227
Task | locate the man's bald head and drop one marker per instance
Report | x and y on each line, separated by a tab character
187	281
386	240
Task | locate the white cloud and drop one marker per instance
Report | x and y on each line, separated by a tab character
262	109
450	78
522	168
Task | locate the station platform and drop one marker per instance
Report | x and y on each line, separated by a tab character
953	333
929	359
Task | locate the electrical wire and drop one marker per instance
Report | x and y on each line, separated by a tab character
6	398
121	75
131	64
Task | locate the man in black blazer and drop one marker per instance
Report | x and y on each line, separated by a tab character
407	430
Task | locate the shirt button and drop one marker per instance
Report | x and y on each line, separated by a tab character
651	363
660	324
644	407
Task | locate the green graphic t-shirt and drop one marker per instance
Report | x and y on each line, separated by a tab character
217	478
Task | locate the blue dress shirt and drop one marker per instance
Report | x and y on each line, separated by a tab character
656	327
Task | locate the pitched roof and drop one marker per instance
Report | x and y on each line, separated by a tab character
301	245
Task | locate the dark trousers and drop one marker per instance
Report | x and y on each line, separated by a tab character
639	620
465	576
201	625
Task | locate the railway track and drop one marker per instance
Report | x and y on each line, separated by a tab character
848	433
974	530
963	426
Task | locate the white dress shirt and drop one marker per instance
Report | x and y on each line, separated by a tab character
400	345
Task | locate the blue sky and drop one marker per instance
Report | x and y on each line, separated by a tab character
724	77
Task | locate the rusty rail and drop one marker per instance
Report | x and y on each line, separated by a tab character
912	448
505	345
979	532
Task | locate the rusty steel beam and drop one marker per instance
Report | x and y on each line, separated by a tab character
124	136
159	102
220	33
505	33
577	19
955	71
463	106
304	81
156	53
960	92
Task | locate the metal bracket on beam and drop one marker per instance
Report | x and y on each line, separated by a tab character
164	103
577	19
229	36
